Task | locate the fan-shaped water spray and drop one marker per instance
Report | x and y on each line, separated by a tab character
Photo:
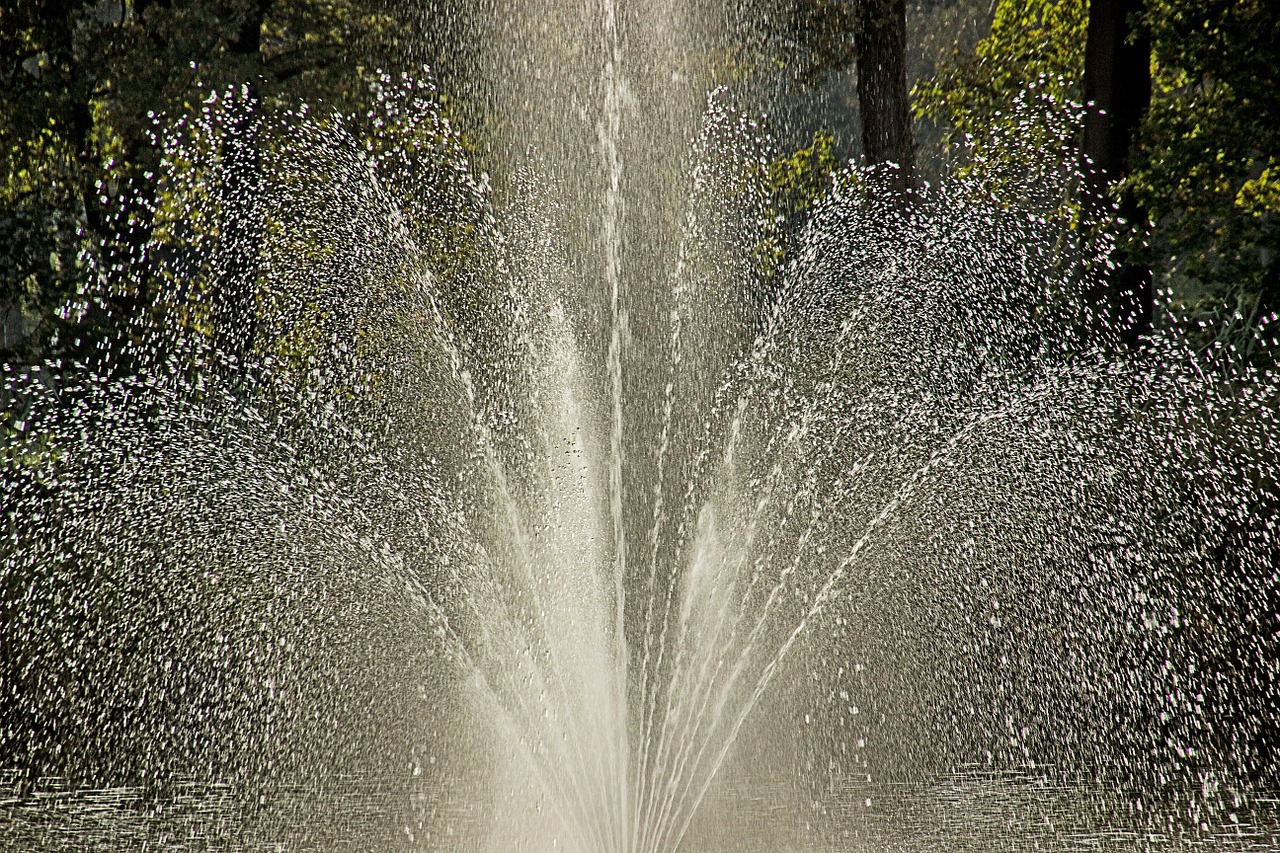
562	522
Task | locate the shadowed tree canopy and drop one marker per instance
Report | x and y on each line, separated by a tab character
1203	165
1207	166
85	88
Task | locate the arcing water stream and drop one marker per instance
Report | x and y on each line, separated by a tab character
566	519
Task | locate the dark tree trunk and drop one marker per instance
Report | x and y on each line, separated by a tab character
880	37
1117	85
241	240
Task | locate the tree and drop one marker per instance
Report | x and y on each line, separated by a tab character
1117	90
822	36
63	214
1207	167
881	39
1204	163
236	325
86	87
1018	86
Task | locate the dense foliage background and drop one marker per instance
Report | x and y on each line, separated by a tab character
90	88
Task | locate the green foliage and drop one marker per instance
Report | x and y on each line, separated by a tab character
798	180
32	454
1012	106
1206	166
793	184
1031	42
1208	163
1016	96
86	88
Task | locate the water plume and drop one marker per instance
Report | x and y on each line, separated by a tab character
553	496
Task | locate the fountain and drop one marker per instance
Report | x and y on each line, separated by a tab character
560	522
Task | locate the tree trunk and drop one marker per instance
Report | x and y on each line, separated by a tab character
241	240
880	37
1117	86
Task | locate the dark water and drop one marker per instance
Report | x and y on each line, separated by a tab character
341	814
969	812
